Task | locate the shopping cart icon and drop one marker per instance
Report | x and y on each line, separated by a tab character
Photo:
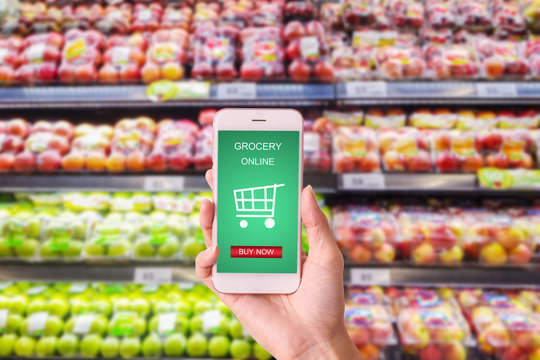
256	202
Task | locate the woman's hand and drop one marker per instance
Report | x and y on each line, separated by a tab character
307	324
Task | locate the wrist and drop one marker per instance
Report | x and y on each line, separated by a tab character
336	347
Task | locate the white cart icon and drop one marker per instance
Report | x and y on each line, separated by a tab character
256	202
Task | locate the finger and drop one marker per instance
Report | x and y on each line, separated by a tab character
203	264
209	175
206	219
320	237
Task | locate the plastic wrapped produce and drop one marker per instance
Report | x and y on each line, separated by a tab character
441	14
508	149
76	17
474	15
355	149
500	59
432	36
114	19
450	62
20	236
156	241
350	64
365	235
203	149
357	14
89	148
45	18
81	56
300	10
122	63
109	241
39	59
10	48
262	54
266	14
441	118
400	63
385	118
468	119
174	18
405	150
63	237
166	56
508	20
457	151
406	14
146	17
206	13
317	144
236	14
523	119
214	53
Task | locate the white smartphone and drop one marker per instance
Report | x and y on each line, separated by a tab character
258	166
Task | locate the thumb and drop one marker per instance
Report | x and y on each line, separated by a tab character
321	240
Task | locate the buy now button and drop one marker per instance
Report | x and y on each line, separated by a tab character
256	251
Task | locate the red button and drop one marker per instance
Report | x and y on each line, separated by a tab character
256	251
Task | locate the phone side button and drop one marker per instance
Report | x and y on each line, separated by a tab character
256	251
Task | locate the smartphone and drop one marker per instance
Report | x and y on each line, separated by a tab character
257	168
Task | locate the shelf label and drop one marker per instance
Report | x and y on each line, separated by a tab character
236	91
493	178
370	276
362	181
163	183
365	89
149	275
163	90
496	90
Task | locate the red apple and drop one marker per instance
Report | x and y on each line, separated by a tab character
447	162
225	71
18	127
324	71
494	66
499	161
521	254
420	162
358	335
25	162
430	352
49	161
472	163
157	161
63	128
251	72
130	73
7	162
12	144
299	71
293	30
360	254
108	74
86	73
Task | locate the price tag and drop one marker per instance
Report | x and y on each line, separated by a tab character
3	320
362	181
211	321
36	290
163	183
36	323
77	288
370	276
496	90
82	324
365	89
166	323
235	91
152	275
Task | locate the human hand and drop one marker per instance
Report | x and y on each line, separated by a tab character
307	324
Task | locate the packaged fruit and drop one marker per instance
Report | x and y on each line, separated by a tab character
432	36
123	59
155	242
262	54
450	62
176	203
331	15
500	59
109	241
499	239
523	119
431	327
206	116
202	159
9	58
304	10
333	118
20	235
441	14
43	151
468	119
266	14
532	53
400	63
474	15
114	19
76	17
370	329
146	17
206	13
235	14
174	146
357	14
214	53
351	64
81	56
93	201
89	149
405	150
174	18
166	56
457	151
63	237
365	235
508	20
441	118
39	59
317	145
355	149
406	14
393	118
531	13
45	19
508	149
507	333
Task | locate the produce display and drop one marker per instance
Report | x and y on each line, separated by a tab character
254	40
97	227
120	321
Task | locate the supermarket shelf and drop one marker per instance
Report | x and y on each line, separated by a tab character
325	183
467	274
140	272
279	94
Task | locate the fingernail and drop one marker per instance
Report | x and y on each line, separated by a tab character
312	193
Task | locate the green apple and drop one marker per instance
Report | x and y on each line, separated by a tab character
158	216
224	309
79	305
90	346
163	306
46	250
119	248
58	306
69	325
27	249
143	249
109	347
13	323
182	324
218	346
94	249
18	304
46	346
24	346
140	306
174	345
183	307
34	228
38	304
196	345
151	347
130	347
240	349
53	326
68	345
7	343
202	306
79	229
191	248
139	327
74	249
169	249
122	304
236	330
99	325
6	251
260	353
102	305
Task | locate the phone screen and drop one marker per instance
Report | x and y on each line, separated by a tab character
257	204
